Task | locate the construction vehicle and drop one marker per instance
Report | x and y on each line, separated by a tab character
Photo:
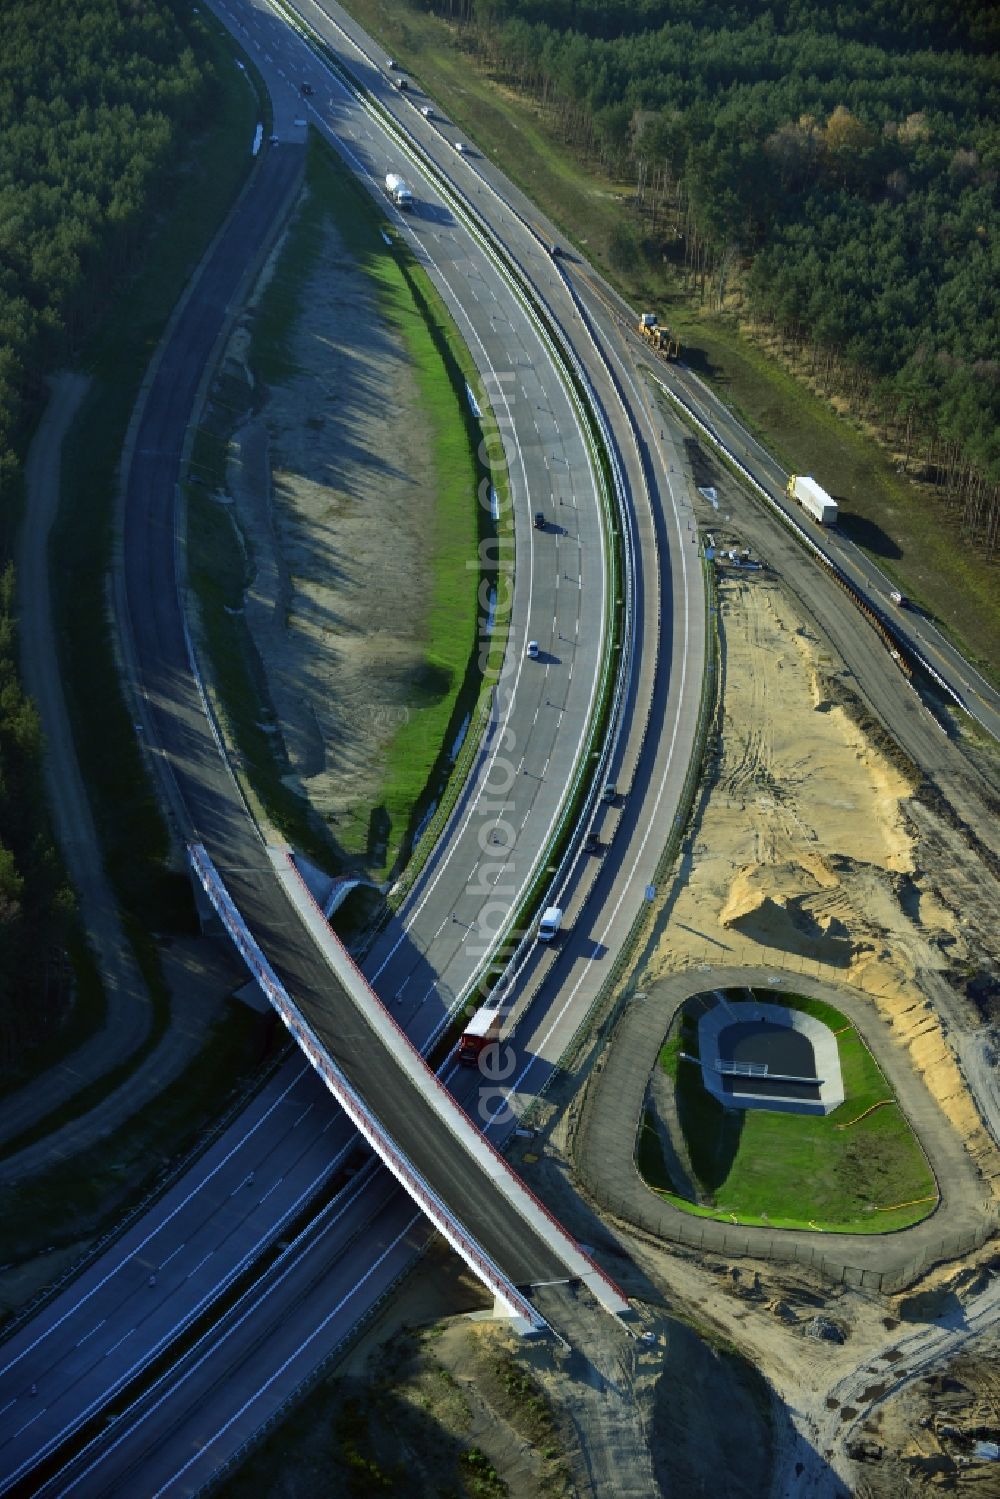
661	338
813	498
398	191
482	1030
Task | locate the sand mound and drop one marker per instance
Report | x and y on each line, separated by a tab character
763	908
804	854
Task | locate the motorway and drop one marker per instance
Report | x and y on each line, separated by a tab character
244	1191
921	636
92	1339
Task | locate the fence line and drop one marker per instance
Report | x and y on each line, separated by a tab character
715	1237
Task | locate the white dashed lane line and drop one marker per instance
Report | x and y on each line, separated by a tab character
97	1326
31	1422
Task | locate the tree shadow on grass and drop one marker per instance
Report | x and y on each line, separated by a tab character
867	534
712	1133
700	362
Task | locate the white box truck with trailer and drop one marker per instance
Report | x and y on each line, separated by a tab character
813	498
398	190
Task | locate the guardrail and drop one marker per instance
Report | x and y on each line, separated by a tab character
304	1386
580	390
453	1116
900	650
706	709
479	1262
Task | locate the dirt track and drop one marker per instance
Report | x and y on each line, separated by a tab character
129	1011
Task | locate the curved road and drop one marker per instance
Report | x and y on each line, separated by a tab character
605	1144
240	1193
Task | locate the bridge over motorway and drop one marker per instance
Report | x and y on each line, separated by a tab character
411	1119
383	1083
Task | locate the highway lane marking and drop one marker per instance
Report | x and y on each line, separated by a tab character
650	823
255	1126
304	1072
307	1110
34	1418
274	1187
321	1327
96	1327
173	1255
8	1405
109	1351
204	1260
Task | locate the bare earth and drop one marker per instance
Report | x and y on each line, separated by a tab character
333	488
812	849
808	851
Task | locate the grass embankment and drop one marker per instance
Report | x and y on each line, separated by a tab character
449	690
859	1169
902	525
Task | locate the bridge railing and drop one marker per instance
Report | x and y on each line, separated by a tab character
479	1262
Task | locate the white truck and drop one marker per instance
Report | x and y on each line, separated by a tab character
813	498
398	190
548	926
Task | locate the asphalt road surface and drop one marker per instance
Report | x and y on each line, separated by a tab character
258	1170
919	633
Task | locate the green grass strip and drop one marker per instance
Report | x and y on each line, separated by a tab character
904	527
786	1170
448	691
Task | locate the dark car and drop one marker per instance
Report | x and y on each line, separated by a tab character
592	844
307	89
554	251
539	520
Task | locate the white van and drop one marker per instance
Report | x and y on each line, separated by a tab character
550	923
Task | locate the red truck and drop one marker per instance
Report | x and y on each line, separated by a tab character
482	1031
